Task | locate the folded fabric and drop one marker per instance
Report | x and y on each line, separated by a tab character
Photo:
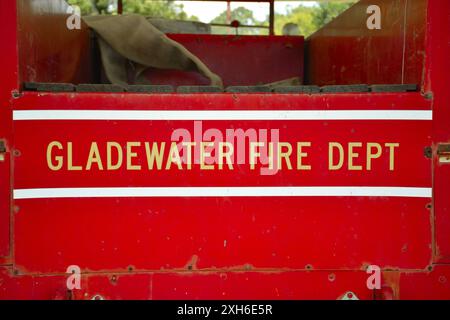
130	43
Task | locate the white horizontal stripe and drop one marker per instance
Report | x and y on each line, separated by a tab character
223	192
222	115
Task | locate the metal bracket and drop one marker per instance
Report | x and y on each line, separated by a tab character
2	150
443	152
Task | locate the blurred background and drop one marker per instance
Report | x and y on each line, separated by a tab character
309	16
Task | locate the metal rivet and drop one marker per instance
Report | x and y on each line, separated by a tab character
428	152
15	94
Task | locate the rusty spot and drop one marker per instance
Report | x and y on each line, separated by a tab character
69	295
331	277
428	152
428	95
2	146
192	264
308	267
392	280
15	94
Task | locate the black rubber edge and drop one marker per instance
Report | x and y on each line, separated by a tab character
345	88
249	89
199	89
297	89
68	87
99	88
48	87
394	87
149	89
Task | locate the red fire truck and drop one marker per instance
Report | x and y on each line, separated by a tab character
91	185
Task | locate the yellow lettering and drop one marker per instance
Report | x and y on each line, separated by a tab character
352	155
301	155
154	154
254	154
109	164
94	157
392	147
131	155
189	146
284	155
59	159
331	147
204	154
70	165
371	155
174	157
225	154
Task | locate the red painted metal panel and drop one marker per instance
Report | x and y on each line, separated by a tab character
49	51
228	248
256	60
230	285
5	193
436	83
237	233
8	84
285	285
224	233
346	52
433	285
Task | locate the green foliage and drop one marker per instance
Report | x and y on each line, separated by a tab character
244	16
301	15
101	6
85	6
327	11
309	19
162	8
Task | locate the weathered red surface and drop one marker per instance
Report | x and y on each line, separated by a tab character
230	285
8	83
48	50
345	51
224	233
227	248
256	60
436	83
